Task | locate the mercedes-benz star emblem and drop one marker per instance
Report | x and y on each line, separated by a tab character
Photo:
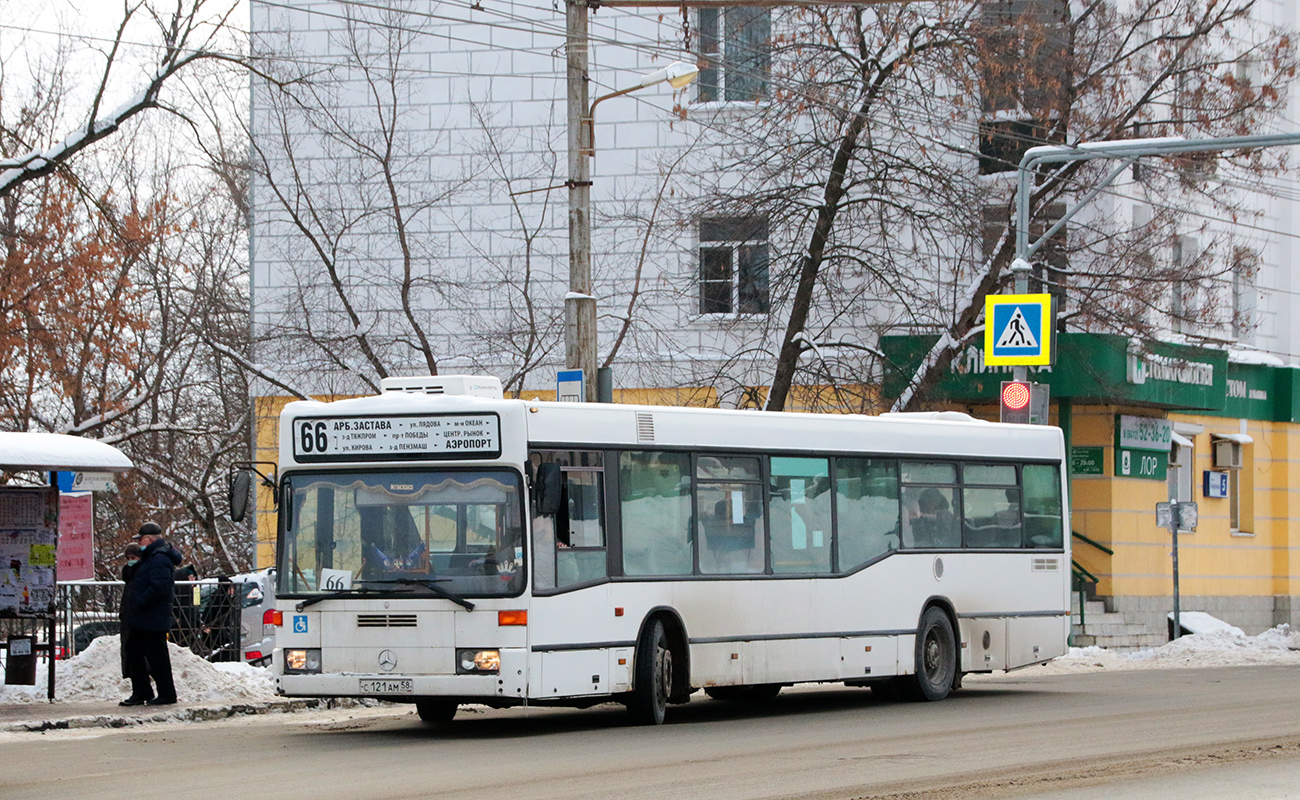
387	660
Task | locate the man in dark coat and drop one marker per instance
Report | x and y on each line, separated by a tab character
149	618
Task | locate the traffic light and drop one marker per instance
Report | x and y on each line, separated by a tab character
1015	397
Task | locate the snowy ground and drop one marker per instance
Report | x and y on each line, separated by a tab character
1227	647
95	674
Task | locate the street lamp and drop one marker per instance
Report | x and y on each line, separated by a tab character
579	303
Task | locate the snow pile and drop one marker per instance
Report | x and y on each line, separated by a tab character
1201	622
95	675
1217	648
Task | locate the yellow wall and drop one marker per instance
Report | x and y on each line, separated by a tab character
1260	559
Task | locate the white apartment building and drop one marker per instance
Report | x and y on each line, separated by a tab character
413	212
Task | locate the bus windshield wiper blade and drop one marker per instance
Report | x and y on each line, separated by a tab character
432	585
311	601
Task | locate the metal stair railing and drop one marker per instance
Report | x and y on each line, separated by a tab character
1080	574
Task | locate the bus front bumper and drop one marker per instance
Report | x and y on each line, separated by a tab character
510	681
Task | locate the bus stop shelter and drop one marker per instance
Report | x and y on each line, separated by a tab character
29	529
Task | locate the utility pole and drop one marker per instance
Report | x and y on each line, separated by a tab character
579	303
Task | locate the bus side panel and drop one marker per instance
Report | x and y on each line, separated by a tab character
789	660
868	657
717	664
979	655
573	673
1034	639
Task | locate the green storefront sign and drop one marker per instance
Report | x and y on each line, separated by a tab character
1117	370
1145	464
1087	461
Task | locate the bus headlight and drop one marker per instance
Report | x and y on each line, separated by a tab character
302	661
478	662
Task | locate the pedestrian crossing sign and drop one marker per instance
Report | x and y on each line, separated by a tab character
1018	330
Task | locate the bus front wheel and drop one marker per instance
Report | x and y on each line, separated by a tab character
653	678
936	656
435	709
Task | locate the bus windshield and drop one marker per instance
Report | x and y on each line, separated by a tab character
459	531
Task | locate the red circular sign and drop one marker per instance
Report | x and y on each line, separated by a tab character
1015	396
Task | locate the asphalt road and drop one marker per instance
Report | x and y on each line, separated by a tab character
1201	734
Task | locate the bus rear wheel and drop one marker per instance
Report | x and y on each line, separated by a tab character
654	677
435	709
936	657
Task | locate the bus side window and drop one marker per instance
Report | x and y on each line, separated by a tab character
867	519
799	502
1042	503
655	508
729	502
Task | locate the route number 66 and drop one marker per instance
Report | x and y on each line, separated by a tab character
312	437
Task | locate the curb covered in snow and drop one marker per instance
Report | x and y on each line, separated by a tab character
177	714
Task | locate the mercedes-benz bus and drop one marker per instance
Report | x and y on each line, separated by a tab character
441	545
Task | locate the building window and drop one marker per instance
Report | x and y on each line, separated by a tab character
733	265
735	48
1245	298
1183	300
1004	142
1024	64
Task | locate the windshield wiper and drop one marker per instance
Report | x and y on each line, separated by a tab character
432	585
311	601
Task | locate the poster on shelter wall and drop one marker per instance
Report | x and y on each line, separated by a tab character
29	519
76	537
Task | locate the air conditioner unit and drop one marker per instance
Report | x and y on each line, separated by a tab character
1227	454
472	385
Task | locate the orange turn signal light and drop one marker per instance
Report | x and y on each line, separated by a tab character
512	617
273	617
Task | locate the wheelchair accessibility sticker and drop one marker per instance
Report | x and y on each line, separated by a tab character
300	623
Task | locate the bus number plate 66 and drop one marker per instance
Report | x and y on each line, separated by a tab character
396	686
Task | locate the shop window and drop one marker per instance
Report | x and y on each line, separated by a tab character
1182	471
1235	454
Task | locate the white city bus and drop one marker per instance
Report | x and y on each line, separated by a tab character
441	545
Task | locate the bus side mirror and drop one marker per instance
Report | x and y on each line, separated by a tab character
547	487
241	484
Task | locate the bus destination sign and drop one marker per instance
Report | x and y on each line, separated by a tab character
382	438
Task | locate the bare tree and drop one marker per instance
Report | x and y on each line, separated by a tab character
122	304
189	33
